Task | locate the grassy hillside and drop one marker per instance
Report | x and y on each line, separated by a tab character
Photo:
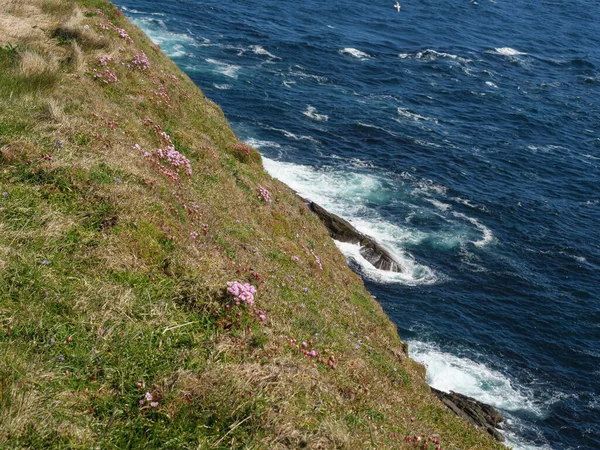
127	205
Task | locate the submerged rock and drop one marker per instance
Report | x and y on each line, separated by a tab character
474	411
341	230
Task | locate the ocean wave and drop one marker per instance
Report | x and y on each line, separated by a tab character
135	11
491	84
413	274
405	112
229	70
311	112
173	44
448	372
487	235
346	194
258	144
222	86
302	74
259	50
507	51
354	53
296	137
439	205
432	55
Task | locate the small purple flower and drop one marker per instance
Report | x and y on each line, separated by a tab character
5	194
118	180
148	396
61	358
141	402
154	404
59	143
46	262
305	290
51	340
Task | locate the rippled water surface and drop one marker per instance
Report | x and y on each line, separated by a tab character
465	136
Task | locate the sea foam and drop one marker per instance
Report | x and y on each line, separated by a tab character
354	53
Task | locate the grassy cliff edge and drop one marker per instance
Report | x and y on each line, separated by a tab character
127	205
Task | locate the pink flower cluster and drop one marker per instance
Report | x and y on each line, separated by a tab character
318	260
140	62
264	194
169	161
241	292
162	97
148	398
120	31
176	160
107	75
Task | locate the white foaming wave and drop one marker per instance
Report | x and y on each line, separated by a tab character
507	51
344	194
135	11
405	112
355	163
229	70
222	86
470	204
516	443
491	84
311	112
259	50
171	43
337	191
319	79
354	53
432	55
412	274
487	237
288	84
427	186
439	205
296	137
257	143
448	372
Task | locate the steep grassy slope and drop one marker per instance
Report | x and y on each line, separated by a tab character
126	206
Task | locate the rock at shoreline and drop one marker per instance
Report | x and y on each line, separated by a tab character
474	411
341	230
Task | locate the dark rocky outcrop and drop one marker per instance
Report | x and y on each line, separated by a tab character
341	230
474	411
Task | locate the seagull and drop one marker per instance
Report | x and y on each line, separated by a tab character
397	6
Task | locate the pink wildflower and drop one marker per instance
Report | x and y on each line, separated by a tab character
242	292
140	62
120	31
318	260
264	194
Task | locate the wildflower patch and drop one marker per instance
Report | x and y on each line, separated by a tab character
105	72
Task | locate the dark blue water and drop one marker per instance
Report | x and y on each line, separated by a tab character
463	135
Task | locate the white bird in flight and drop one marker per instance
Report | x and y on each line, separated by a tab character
397	6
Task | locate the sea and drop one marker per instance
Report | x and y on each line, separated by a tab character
464	136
